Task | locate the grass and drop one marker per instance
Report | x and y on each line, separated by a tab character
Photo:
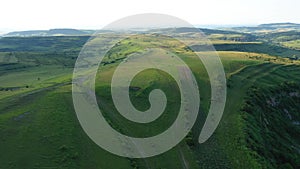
273	112
260	76
34	78
48	137
263	48
42	44
39	128
294	44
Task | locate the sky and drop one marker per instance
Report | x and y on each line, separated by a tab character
16	15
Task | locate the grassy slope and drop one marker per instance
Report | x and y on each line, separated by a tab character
42	132
272	119
38	129
34	116
234	140
264	48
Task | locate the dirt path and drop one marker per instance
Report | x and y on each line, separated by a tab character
185	164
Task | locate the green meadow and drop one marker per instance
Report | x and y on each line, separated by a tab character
39	128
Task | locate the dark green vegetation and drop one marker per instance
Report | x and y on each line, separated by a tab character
43	44
274	112
257	48
39	128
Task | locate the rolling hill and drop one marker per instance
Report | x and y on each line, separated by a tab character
39	127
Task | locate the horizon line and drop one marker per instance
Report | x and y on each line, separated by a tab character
208	26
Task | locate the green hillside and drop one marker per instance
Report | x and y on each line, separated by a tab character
39	128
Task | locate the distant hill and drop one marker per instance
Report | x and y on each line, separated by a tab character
51	32
267	28
244	30
192	30
280	25
76	32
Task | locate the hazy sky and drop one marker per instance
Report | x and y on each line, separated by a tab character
93	14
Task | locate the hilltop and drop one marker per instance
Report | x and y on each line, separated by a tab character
51	32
